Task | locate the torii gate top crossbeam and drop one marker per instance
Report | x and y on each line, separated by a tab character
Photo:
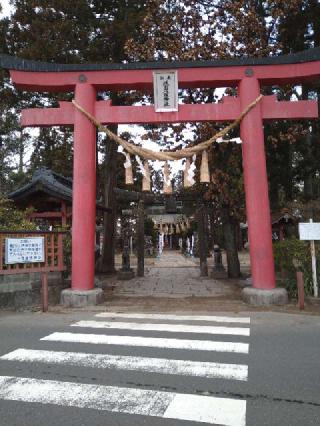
42	76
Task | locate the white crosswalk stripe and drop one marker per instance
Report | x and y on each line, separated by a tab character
169	328
170	405
155	365
131	400
152	342
168	317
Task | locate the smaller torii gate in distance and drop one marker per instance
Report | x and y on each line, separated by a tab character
248	75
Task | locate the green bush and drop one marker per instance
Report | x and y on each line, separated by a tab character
292	255
67	252
12	219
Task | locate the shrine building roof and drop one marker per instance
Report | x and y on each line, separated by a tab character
45	181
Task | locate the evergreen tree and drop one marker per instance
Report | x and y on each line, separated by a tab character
57	31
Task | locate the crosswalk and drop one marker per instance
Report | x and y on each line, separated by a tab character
112	336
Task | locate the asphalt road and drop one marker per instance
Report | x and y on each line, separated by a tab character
276	383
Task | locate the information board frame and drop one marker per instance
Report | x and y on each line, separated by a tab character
309	231
26	250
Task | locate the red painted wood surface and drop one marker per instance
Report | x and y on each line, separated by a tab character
256	188
45	214
84	192
228	109
188	77
44	291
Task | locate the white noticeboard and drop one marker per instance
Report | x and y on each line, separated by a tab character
24	250
165	86
309	231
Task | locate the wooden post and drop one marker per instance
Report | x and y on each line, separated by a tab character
202	242
63	213
44	295
140	238
60	250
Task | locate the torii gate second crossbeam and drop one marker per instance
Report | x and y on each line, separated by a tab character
248	75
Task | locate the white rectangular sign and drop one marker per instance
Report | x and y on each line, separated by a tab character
165	85
309	231
24	250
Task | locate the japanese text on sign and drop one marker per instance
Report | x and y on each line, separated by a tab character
309	231
24	250
165	91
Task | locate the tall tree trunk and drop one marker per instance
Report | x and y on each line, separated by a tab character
211	230
2	179
230	242
140	239
107	261
21	153
202	235
308	187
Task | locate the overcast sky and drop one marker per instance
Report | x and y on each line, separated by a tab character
5	7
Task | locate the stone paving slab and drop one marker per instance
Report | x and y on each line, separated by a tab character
172	276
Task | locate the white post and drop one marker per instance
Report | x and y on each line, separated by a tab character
159	247
188	246
314	266
192	245
160	244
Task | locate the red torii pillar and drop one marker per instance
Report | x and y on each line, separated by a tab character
84	194
86	83
256	184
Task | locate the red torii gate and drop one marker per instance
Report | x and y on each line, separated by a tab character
246	74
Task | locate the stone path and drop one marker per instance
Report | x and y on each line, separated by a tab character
172	276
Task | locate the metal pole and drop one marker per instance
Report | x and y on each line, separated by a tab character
314	266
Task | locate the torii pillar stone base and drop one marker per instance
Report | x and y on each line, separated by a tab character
254	296
78	298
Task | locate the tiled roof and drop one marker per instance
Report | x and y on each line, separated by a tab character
51	183
46	181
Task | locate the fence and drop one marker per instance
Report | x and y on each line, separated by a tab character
53	250
53	257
